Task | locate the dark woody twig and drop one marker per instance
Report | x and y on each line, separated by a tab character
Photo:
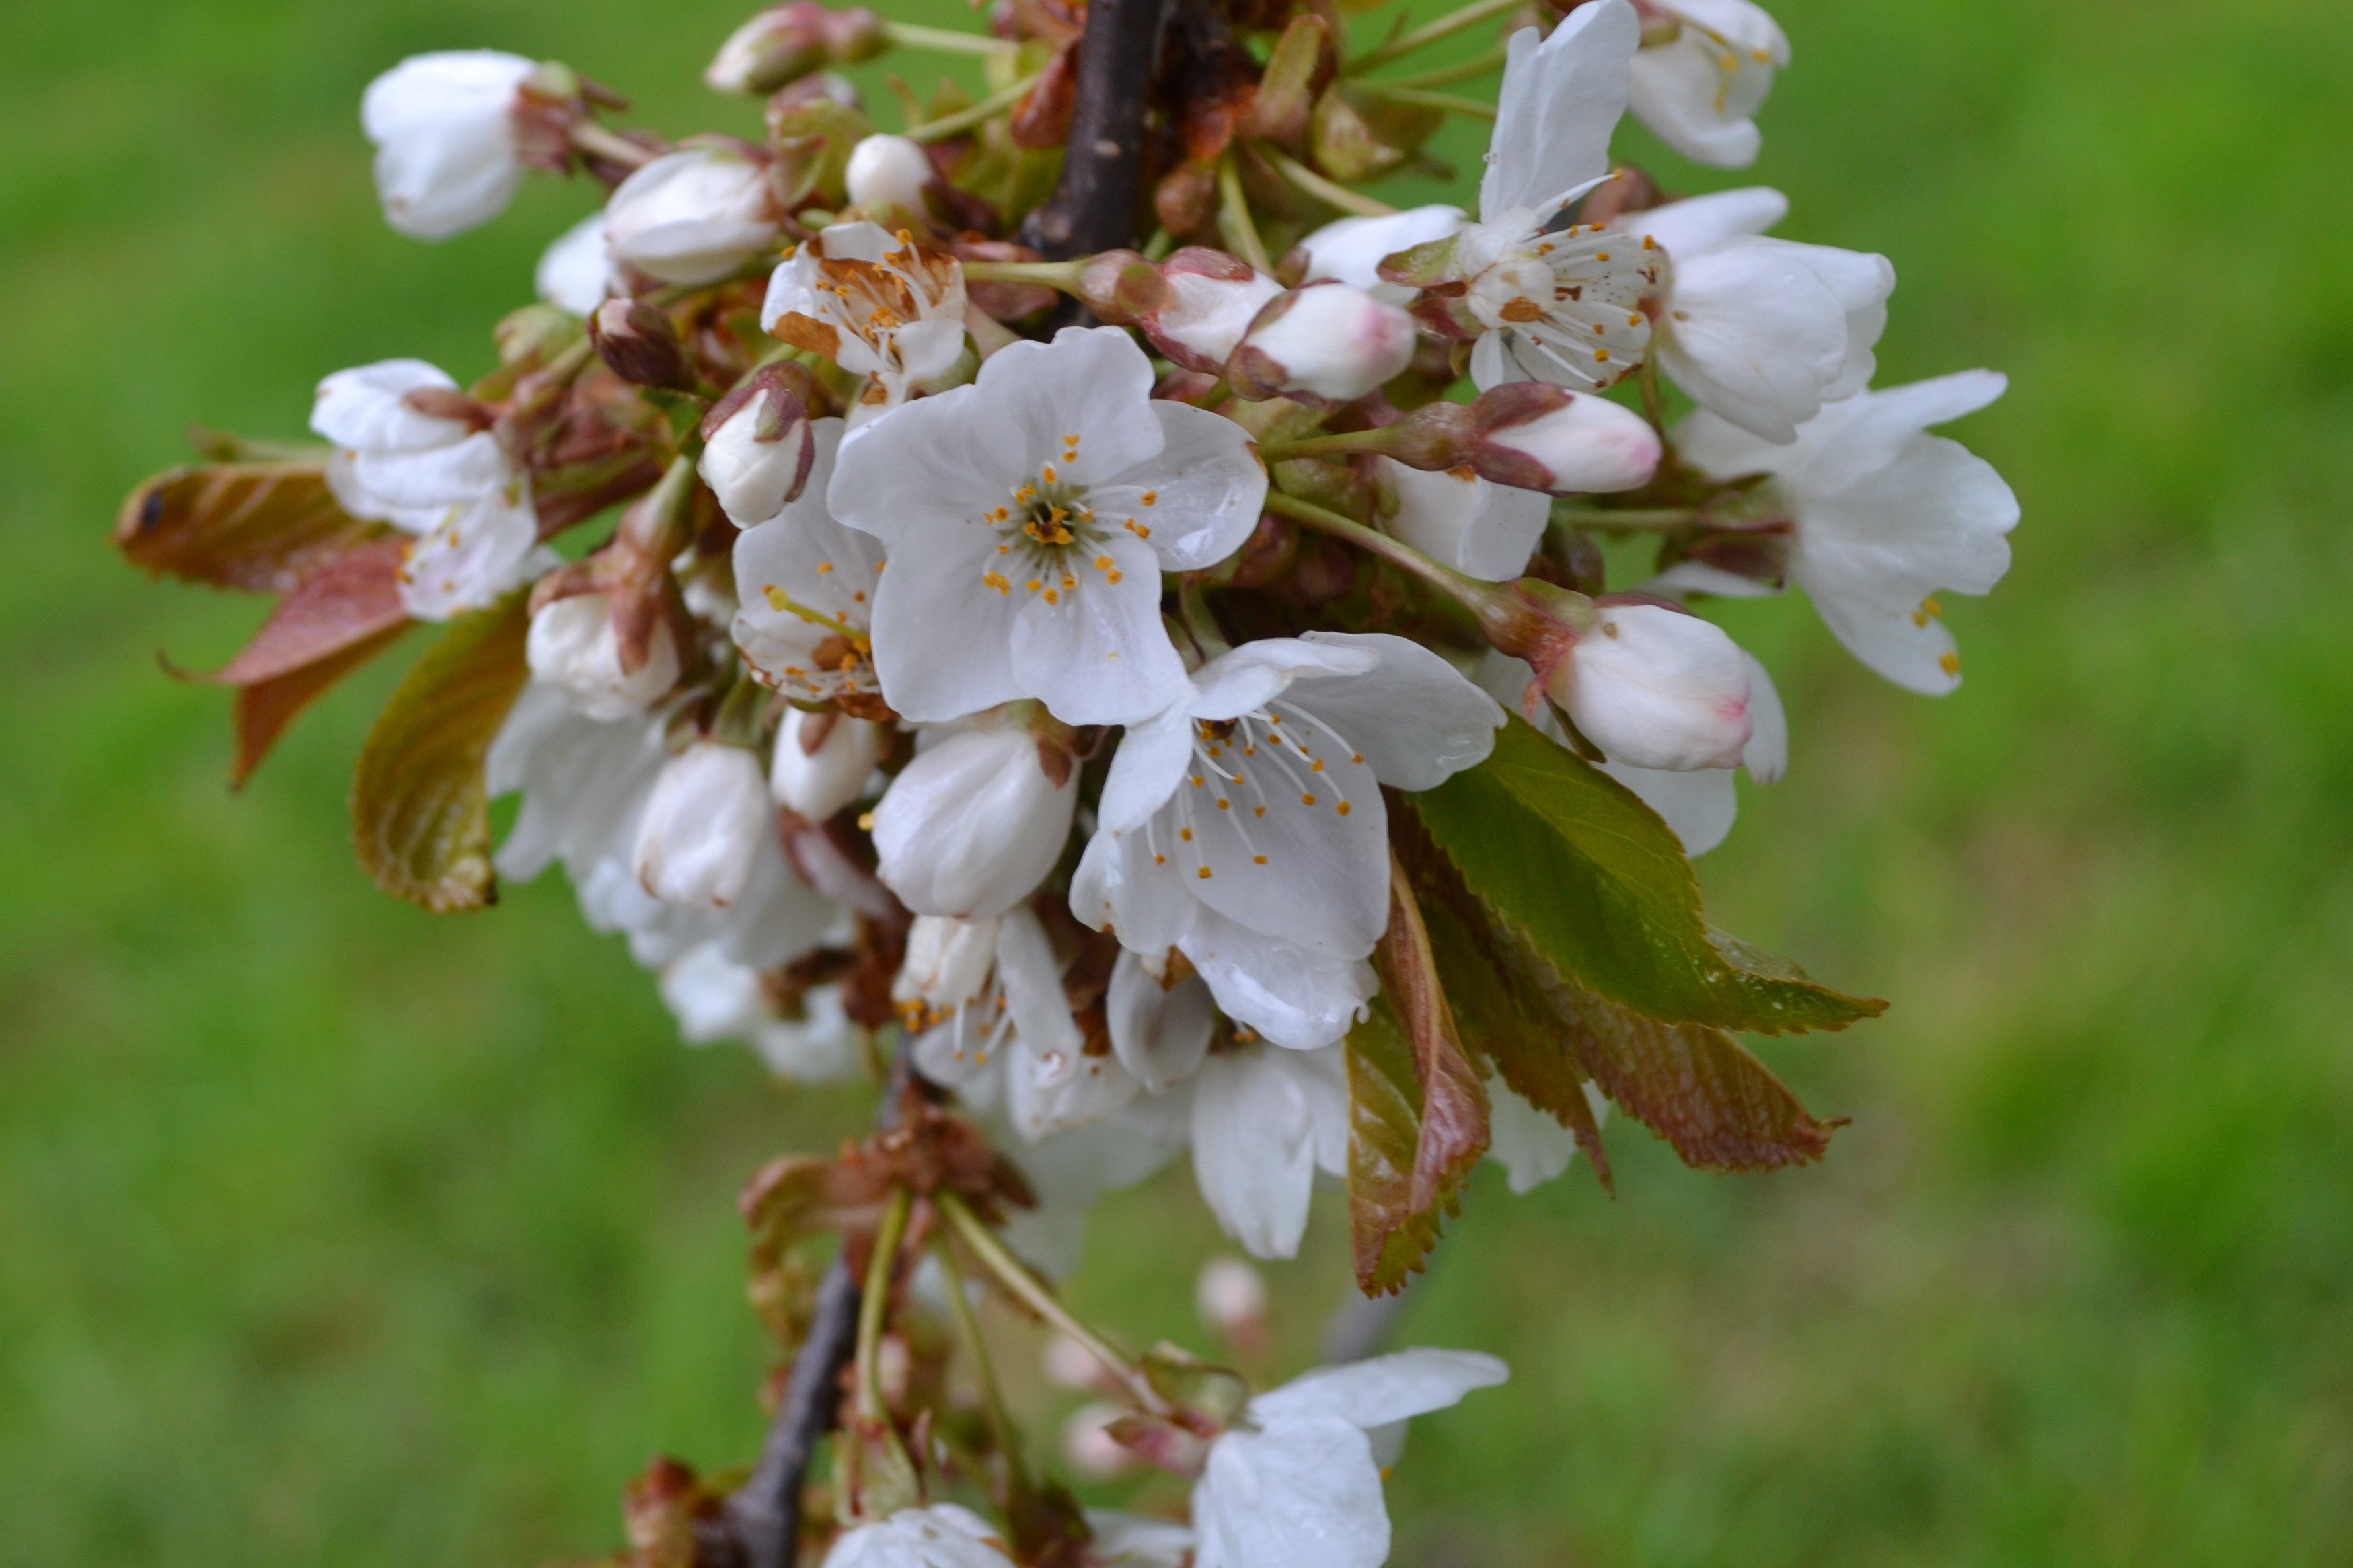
1093	208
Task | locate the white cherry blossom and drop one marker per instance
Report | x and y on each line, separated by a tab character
1294	1483
1029	517
940	1536
1882	516
1703	74
1264	1121
1451	515
1760	331
1243	825
806	588
878	306
886	171
692	215
1353	248
972	826
577	271
715	998
395	461
703	825
573	646
1328	340
444	128
822	761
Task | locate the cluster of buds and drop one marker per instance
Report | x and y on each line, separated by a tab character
1054	667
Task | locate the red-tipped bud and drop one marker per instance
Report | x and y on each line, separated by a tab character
638	341
1205	301
758	444
1535	436
1327	340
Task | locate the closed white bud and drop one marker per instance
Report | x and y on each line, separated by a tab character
444	128
1582	444
573	646
1331	340
701	830
691	216
822	762
947	962
783	43
1210	301
888	171
1656	688
759	456
971	827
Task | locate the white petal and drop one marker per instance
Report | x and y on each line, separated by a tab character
363	407
1382	1389
1678	91
1301	1494
1767	755
1101	655
1161	1032
1531	1145
1698	224
1559	103
577	271
1699	805
1292	853
972	826
1208	487
1482	529
1255	1124
1753	336
1135	1540
1353	248
1415	719
943	638
1151	762
1296	998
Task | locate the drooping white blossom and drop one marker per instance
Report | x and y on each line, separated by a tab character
577	271
1760	331
805	586
1029	517
714	998
941	1536
1294	1483
573	646
1243	825
1458	520
444	129
1264	1121
1656	688
1702	74
703	825
691	216
1882	516
876	305
972	826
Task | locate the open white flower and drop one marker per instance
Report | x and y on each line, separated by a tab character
1029	517
1760	331
1460	520
880	307
1243	825
972	826
576	270
983	1000
1264	1121
1294	1483
940	1536
403	451
692	215
444	127
805	586
1703	74
1881	515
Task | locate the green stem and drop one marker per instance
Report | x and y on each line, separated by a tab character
874	1304
1339	446
783	604
949	125
1446	26
1654	402
946	40
1061	275
1447	103
1478	65
1632	520
611	145
1474	595
1234	224
1001	1430
1327	191
1014	1276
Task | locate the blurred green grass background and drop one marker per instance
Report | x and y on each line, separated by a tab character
332	1233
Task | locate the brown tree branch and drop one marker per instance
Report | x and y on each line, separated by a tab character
1093	208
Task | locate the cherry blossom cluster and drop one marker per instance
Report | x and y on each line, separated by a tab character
1010	660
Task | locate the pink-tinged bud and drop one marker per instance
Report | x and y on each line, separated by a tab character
1327	340
758	444
574	644
1230	1296
640	345
784	43
1571	443
889	171
1655	687
822	762
700	834
1207	301
1089	1446
972	826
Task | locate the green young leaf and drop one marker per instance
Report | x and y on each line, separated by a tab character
1596	882
1546	1034
1388	1236
1302	62
420	805
260	527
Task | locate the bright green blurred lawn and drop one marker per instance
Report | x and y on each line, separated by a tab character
333	1234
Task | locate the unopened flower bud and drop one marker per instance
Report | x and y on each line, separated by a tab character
822	762
1230	1296
639	342
889	171
447	156
1089	1446
758	444
784	43
947	962
691	216
700	834
1328	340
572	645
1205	303
1655	687
973	825
1534	436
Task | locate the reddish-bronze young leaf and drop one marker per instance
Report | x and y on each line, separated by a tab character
260	527
1692	1084
420	805
266	707
1453	1098
1387	1236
